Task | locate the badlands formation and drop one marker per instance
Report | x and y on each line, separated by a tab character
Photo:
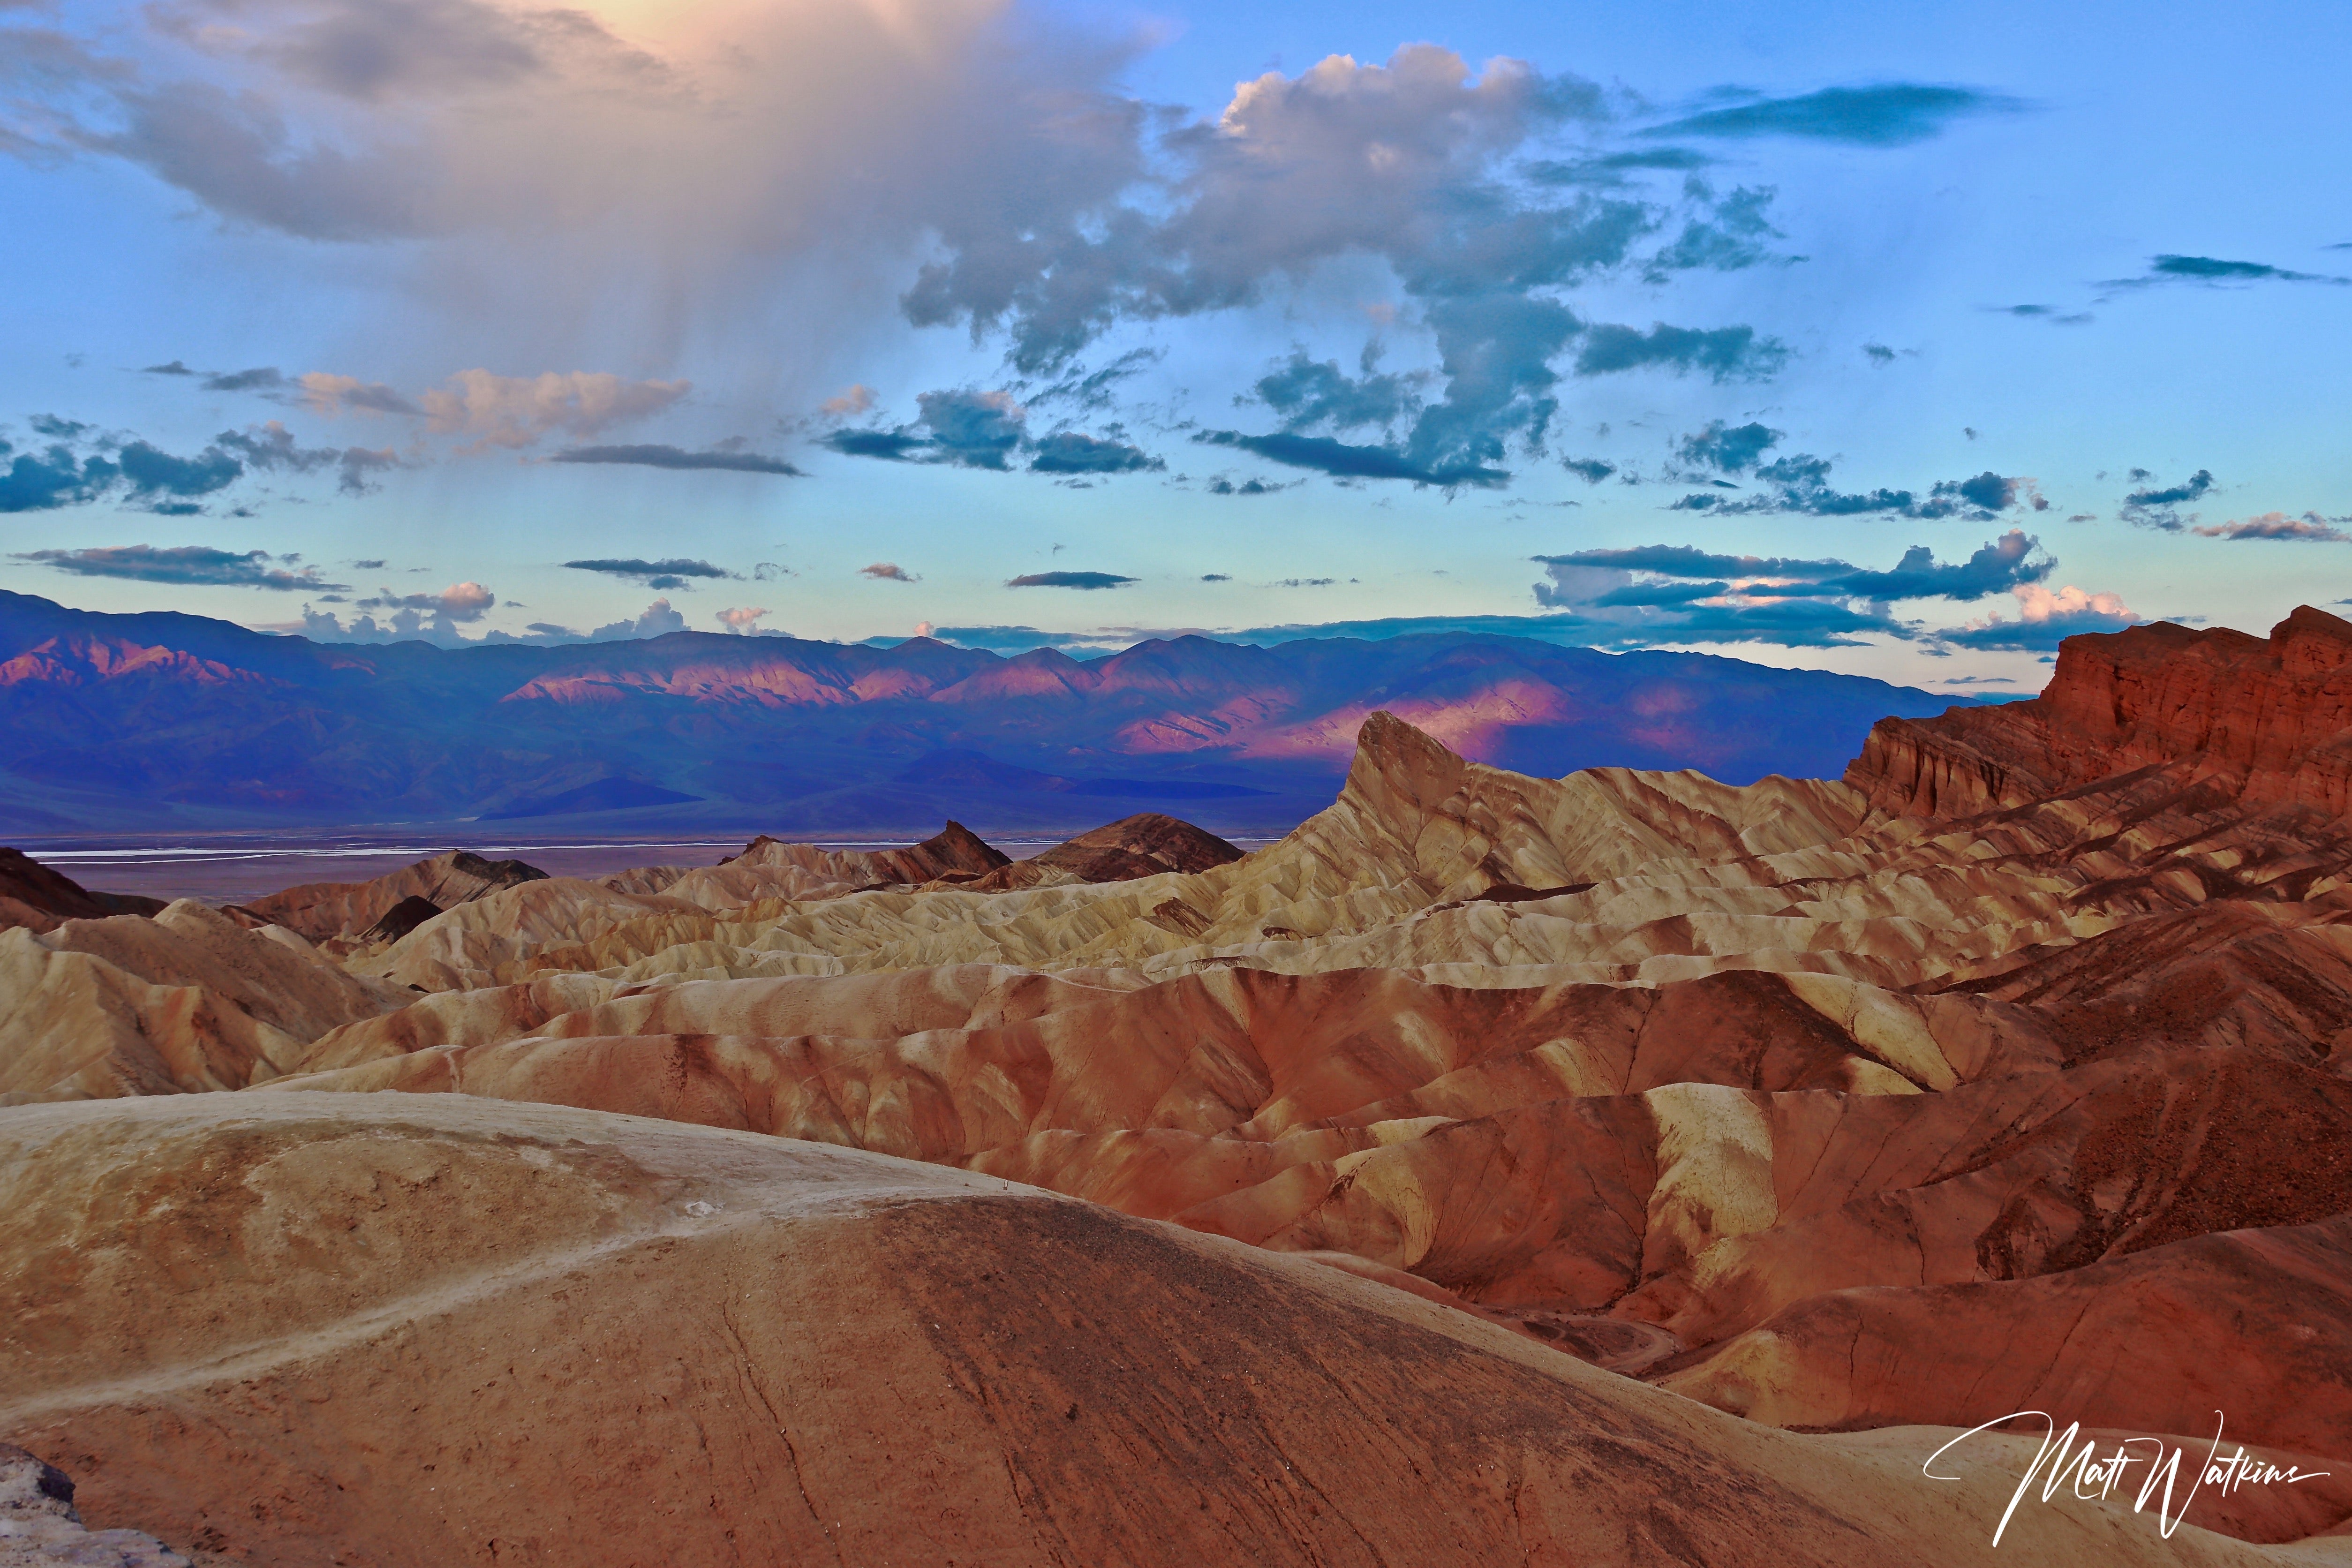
1622	1169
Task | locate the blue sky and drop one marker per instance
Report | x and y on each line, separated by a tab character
1900	346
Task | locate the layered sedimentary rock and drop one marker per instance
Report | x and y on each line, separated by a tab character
188	1000
37	897
1830	1105
2260	721
319	910
769	869
1143	846
436	1351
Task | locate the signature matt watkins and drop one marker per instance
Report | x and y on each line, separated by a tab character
2091	1478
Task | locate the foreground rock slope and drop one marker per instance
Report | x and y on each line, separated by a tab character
439	1354
1863	1107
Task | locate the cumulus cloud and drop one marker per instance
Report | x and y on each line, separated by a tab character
850	401
1889	114
741	621
2310	527
2158	506
668	574
1088	580
2045	619
1591	470
659	620
1225	487
657	457
887	572
190	565
459	603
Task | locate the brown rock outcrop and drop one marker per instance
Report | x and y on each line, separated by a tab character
1143	846
320	911
37	897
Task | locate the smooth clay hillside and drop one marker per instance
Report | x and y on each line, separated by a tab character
1847	1106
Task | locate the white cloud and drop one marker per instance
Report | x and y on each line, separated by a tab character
516	411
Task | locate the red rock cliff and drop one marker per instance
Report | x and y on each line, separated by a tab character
2269	721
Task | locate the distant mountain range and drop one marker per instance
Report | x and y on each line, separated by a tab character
165	722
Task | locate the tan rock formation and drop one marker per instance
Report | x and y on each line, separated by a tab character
187	1000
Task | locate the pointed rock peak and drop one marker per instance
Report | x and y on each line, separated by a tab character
1398	764
956	847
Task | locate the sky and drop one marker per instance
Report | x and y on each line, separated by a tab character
1899	344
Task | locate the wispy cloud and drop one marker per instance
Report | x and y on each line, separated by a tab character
667	575
2310	527
887	572
190	565
1085	580
658	456
1888	114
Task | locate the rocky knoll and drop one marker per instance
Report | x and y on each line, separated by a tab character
1141	846
320	911
436	1349
188	1000
36	898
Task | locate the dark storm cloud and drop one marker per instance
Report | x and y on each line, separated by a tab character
190	565
1325	454
660	456
1068	452
1086	580
1891	114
